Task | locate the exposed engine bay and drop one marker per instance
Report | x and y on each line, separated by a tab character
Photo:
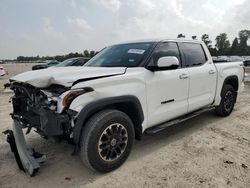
37	108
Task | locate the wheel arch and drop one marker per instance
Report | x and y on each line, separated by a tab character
128	104
233	81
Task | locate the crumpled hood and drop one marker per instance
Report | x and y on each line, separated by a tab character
65	76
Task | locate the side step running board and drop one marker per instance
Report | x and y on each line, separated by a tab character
162	126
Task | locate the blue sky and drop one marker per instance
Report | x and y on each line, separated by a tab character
51	27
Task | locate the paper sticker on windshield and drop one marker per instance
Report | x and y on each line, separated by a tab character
136	51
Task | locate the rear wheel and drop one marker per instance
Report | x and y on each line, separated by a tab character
228	98
107	140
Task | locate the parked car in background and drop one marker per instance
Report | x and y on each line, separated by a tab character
77	61
220	59
227	59
46	65
3	71
247	62
234	58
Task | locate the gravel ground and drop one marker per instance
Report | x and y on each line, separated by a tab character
207	151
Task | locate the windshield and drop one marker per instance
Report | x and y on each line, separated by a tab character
65	63
122	55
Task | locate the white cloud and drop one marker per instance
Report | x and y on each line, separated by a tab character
114	21
158	19
213	12
237	2
49	30
80	23
162	18
236	19
73	3
113	5
144	6
177	7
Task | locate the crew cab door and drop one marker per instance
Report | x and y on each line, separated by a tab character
167	90
202	76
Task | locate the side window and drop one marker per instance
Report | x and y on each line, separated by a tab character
165	49
194	54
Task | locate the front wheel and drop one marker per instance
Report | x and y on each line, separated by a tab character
228	98
107	140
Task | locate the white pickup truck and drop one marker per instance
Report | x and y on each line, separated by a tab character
124	91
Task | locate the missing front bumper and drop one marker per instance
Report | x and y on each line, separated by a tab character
27	160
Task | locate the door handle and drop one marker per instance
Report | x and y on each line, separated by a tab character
183	76
211	72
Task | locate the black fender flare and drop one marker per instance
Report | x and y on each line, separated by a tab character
232	77
98	105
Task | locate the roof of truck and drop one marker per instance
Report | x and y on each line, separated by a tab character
160	39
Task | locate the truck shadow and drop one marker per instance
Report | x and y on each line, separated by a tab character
152	143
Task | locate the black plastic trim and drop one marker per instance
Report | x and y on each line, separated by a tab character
12	143
233	77
161	126
168	101
147	56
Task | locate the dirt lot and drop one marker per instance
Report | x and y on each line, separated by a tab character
206	151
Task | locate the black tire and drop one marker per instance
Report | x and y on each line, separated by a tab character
228	99
105	157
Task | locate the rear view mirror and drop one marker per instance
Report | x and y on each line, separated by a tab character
170	62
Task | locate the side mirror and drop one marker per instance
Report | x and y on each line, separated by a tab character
170	62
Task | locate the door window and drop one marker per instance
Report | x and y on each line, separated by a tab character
194	54
165	49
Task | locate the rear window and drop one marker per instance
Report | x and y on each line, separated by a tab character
194	54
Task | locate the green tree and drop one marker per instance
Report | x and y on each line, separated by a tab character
213	51
92	53
71	55
244	35
235	47
20	58
206	40
181	36
194	37
60	57
86	53
222	44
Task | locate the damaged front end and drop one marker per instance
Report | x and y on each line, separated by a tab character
36	108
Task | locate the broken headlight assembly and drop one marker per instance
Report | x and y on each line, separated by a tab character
69	96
